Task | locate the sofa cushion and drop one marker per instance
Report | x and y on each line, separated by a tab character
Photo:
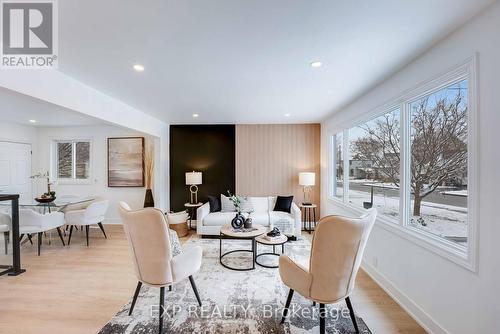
261	218
260	204
220	218
246	205
283	221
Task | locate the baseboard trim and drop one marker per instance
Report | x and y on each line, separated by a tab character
415	311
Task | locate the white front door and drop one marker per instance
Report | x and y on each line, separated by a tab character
15	170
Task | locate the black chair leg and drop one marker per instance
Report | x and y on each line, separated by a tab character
70	232
136	294
29	237
287	305
162	303
351	312
322	316
102	229
6	240
40	235
169	288
60	236
193	285
87	234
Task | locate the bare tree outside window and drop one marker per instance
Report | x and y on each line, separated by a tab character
73	160
374	164
64	160
438	163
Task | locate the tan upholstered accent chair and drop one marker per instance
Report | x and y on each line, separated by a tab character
336	253
148	237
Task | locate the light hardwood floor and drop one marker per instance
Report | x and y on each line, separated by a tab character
77	289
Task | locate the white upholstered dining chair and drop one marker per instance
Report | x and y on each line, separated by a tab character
5	226
336	253
31	222
149	241
94	214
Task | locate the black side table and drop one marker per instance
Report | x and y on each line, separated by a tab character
308	216
277	242
191	209
15	269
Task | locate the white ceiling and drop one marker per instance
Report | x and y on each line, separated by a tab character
20	109
247	61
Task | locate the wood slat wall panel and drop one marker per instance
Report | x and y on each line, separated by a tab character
270	157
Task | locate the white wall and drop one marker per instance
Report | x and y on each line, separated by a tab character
444	296
98	185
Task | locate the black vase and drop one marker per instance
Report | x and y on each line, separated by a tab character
238	221
149	202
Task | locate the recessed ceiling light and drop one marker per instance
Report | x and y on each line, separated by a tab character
32	120
195	115
287	115
138	67
316	64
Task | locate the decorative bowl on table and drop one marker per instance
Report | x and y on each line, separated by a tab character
45	199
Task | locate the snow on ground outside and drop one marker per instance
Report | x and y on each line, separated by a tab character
455	192
442	220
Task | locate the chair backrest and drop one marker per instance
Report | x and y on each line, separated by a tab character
5	220
96	212
149	242
28	217
337	250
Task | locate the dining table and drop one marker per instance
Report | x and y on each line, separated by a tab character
12	203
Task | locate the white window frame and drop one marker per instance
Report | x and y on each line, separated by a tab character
465	256
54	161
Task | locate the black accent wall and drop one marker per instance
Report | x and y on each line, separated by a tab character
209	149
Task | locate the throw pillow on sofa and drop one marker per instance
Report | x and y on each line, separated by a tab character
283	203
226	204
215	203
246	205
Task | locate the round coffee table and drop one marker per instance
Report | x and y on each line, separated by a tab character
275	242
227	232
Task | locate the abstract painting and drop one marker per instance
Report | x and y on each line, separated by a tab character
126	162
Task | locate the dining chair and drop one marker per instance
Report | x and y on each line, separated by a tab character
94	214
32	222
149	241
5	227
336	253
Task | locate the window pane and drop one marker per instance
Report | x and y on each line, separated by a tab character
82	160
64	160
439	163
374	162
338	156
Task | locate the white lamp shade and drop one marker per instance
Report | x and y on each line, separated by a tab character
307	179
193	178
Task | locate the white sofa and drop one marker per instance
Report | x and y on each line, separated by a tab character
210	223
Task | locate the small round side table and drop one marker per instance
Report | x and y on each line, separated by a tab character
281	240
308	216
191	209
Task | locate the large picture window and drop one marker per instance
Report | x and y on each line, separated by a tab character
411	161
338	162
374	164
438	162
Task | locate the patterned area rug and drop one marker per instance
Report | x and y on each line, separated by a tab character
233	301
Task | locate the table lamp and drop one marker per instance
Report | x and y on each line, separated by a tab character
307	180
193	179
